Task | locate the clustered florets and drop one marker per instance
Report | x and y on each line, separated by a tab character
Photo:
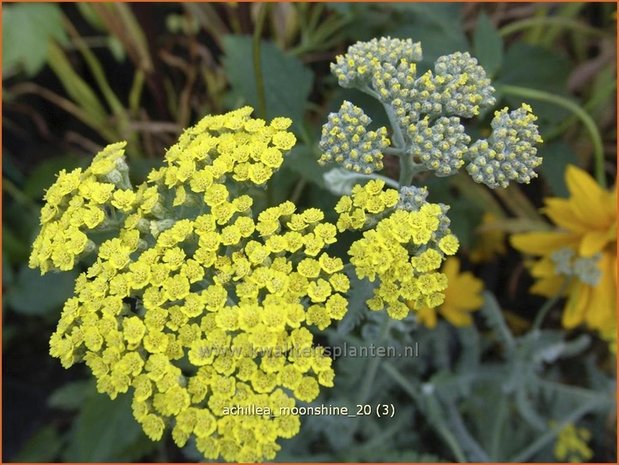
509	154
346	141
412	197
75	205
426	110
195	302
364	59
195	305
440	147
198	311
459	85
403	250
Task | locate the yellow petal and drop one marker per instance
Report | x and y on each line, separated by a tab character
548	287
464	293
587	197
451	268
562	213
427	317
576	305
541	243
544	268
593	242
455	317
601	310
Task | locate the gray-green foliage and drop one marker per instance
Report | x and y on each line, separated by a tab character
477	393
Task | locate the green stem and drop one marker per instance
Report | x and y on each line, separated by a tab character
475	451
262	111
543	440
372	367
407	171
517	26
440	426
398	137
499	421
603	93
587	121
548	305
136	91
10	188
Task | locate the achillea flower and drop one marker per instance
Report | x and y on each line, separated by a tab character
462	296
364	59
198	312
425	114
75	206
587	226
572	444
440	146
403	250
510	153
346	141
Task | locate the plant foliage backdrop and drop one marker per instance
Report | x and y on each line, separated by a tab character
513	361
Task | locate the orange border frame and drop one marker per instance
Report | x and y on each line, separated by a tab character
289	1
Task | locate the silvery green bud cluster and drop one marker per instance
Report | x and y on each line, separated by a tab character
395	85
439	146
584	268
345	140
509	154
412	198
425	115
364	59
459	86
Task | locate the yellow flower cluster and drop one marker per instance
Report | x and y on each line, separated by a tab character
572	444
198	314
76	204
366	204
404	250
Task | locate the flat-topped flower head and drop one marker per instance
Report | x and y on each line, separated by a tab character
75	206
403	248
346	141
194	305
441	146
363	59
458	86
510	153
425	113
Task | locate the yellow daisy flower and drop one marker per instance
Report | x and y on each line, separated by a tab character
462	296
490	240
587	226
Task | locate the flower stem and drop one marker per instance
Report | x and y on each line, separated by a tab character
407	167
548	305
439	424
547	437
262	9
372	366
585	118
549	21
